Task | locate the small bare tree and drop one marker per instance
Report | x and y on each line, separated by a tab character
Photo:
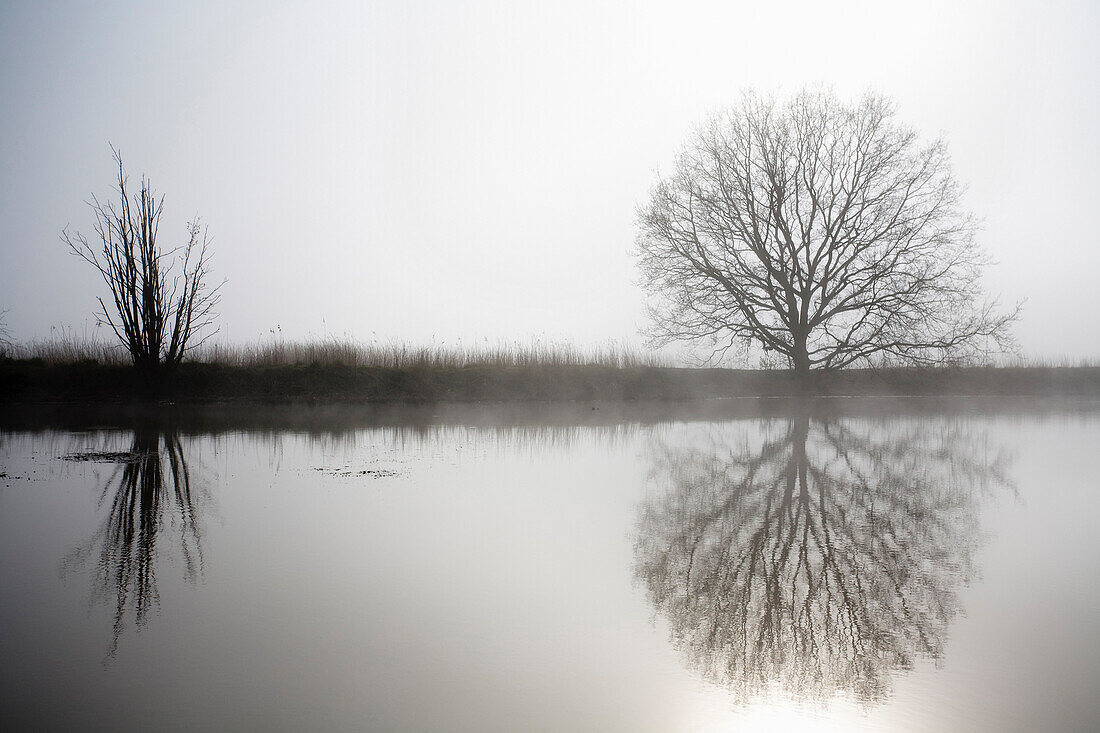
821	231
161	304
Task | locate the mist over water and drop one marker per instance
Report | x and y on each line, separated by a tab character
891	566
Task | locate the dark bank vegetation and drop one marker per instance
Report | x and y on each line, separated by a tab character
333	371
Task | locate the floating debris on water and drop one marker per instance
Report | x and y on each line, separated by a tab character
96	456
346	471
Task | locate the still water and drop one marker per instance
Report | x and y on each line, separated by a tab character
842	565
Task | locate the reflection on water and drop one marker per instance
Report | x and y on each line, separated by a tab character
477	572
148	498
818	560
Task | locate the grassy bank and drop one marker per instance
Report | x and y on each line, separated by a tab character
71	367
38	380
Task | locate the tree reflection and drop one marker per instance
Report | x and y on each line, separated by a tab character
818	561
150	498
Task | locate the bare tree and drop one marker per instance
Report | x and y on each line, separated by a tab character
821	231
161	304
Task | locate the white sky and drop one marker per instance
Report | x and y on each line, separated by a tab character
471	170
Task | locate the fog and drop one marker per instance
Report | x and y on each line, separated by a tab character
452	171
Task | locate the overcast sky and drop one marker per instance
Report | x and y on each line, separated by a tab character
472	170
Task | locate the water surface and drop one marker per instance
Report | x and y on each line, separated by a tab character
843	565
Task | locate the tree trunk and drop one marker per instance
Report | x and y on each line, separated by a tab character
800	358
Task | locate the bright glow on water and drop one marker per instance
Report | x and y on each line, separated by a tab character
882	568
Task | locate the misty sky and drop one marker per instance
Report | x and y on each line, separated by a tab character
472	170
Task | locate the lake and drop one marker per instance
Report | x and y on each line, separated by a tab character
859	564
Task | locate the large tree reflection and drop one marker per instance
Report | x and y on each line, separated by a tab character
150	500
819	560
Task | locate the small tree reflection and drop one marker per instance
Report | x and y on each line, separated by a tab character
817	562
150	498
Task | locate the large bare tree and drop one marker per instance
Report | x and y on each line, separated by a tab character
161	305
823	231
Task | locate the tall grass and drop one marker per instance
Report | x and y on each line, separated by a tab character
67	346
399	355
5	335
1061	362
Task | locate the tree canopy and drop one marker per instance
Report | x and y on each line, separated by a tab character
825	232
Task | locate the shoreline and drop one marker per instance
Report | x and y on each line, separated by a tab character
35	382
